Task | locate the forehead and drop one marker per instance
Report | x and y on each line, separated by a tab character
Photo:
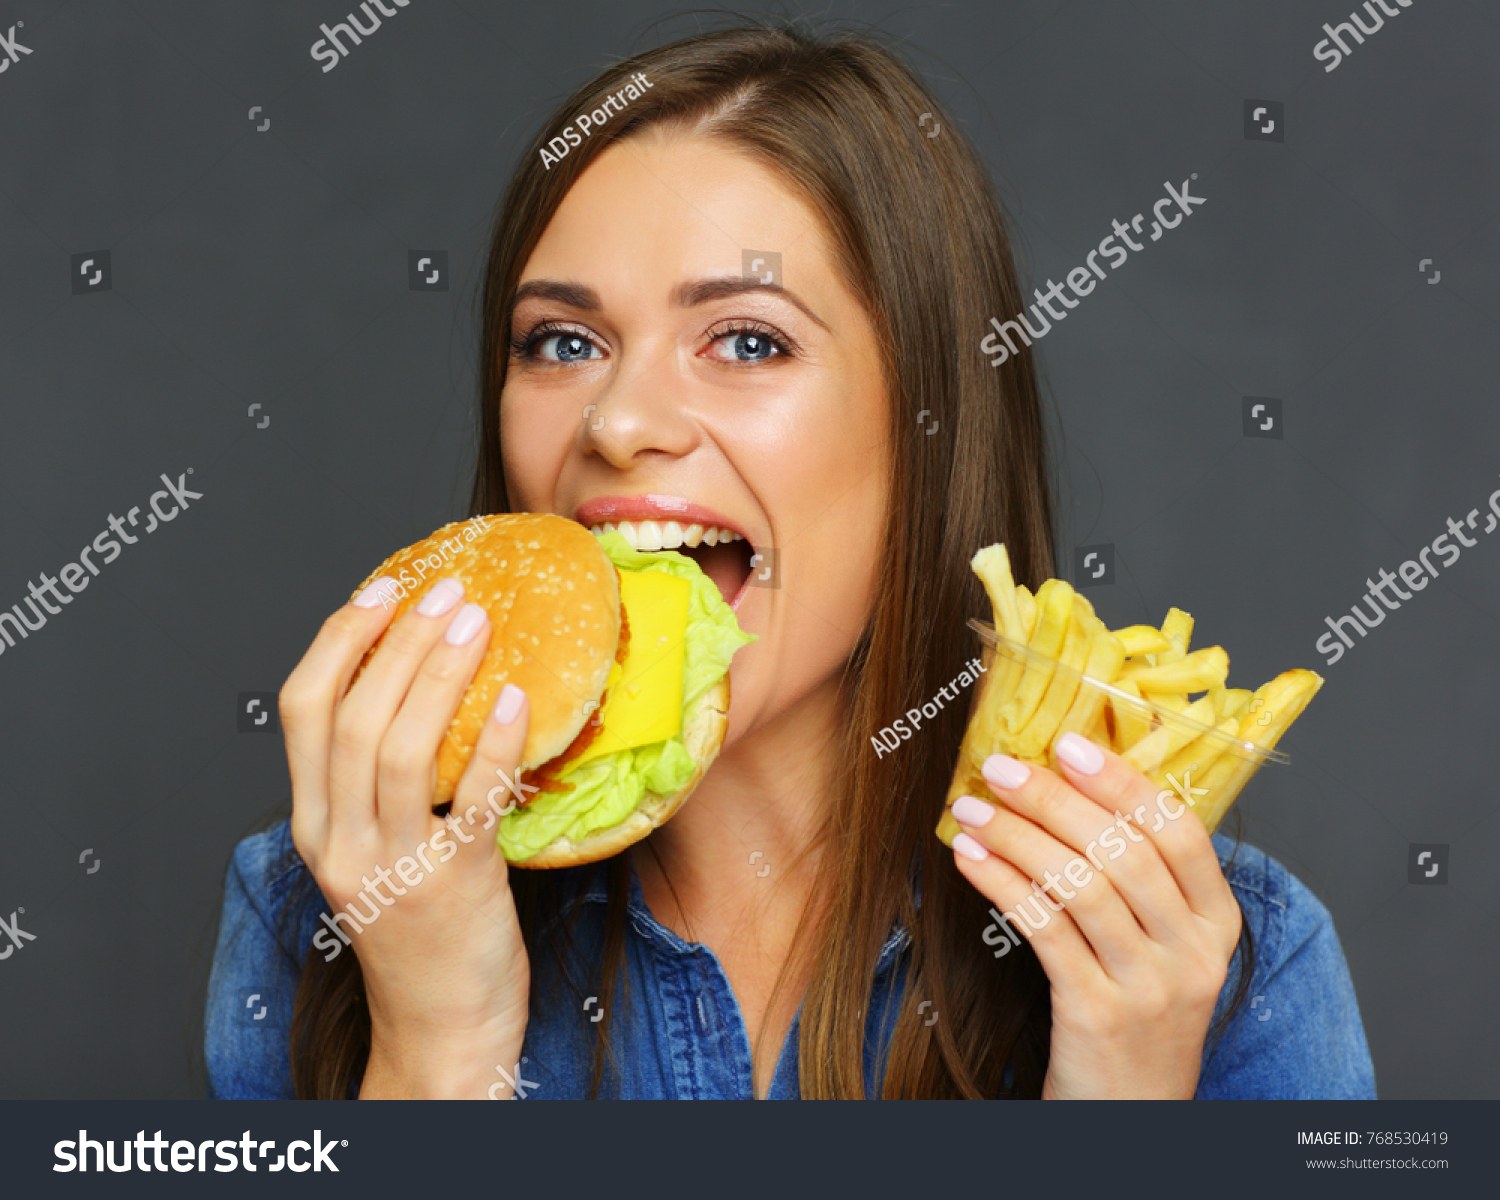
668	203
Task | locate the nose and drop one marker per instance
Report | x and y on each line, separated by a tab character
644	409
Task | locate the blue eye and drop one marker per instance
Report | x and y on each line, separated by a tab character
549	343
567	347
752	346
746	345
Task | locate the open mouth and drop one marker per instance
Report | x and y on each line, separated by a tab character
722	554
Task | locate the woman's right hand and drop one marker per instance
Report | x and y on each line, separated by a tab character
445	969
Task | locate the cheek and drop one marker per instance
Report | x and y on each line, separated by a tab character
823	476
841	464
841	554
829	536
533	447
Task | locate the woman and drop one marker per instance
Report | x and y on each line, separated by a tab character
642	341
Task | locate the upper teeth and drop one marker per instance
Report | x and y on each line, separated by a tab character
667	535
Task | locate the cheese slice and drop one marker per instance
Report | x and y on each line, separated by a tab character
644	704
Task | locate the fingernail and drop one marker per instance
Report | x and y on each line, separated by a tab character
1080	754
971	811
508	707
1004	771
371	596
461	630
969	848
443	597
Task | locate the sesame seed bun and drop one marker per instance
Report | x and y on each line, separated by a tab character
553	598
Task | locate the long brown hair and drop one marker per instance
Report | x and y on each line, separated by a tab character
918	231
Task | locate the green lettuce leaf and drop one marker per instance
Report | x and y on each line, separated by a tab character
606	790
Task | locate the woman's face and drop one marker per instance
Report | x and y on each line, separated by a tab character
654	381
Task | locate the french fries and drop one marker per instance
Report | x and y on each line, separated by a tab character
1167	739
1132	722
1142	639
1195	672
1167	709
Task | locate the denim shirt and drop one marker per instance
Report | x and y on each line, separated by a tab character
683	1036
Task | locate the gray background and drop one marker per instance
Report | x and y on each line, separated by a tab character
271	267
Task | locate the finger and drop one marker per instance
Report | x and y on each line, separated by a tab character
491	786
1061	877
1065	954
310	696
361	722
406	763
1183	846
1117	848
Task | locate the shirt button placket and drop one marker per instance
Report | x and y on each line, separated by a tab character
734	1070
706	1022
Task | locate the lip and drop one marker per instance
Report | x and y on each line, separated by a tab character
656	507
652	508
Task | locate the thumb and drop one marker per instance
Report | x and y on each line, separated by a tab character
490	787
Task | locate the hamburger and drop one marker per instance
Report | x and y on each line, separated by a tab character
624	656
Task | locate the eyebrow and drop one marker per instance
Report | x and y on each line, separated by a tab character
686	295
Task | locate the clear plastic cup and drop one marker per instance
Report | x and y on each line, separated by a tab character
1202	765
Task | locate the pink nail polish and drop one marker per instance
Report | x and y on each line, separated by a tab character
376	591
973	812
1080	754
508	707
969	848
469	621
442	598
1004	771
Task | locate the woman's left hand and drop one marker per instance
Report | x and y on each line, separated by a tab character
1139	927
